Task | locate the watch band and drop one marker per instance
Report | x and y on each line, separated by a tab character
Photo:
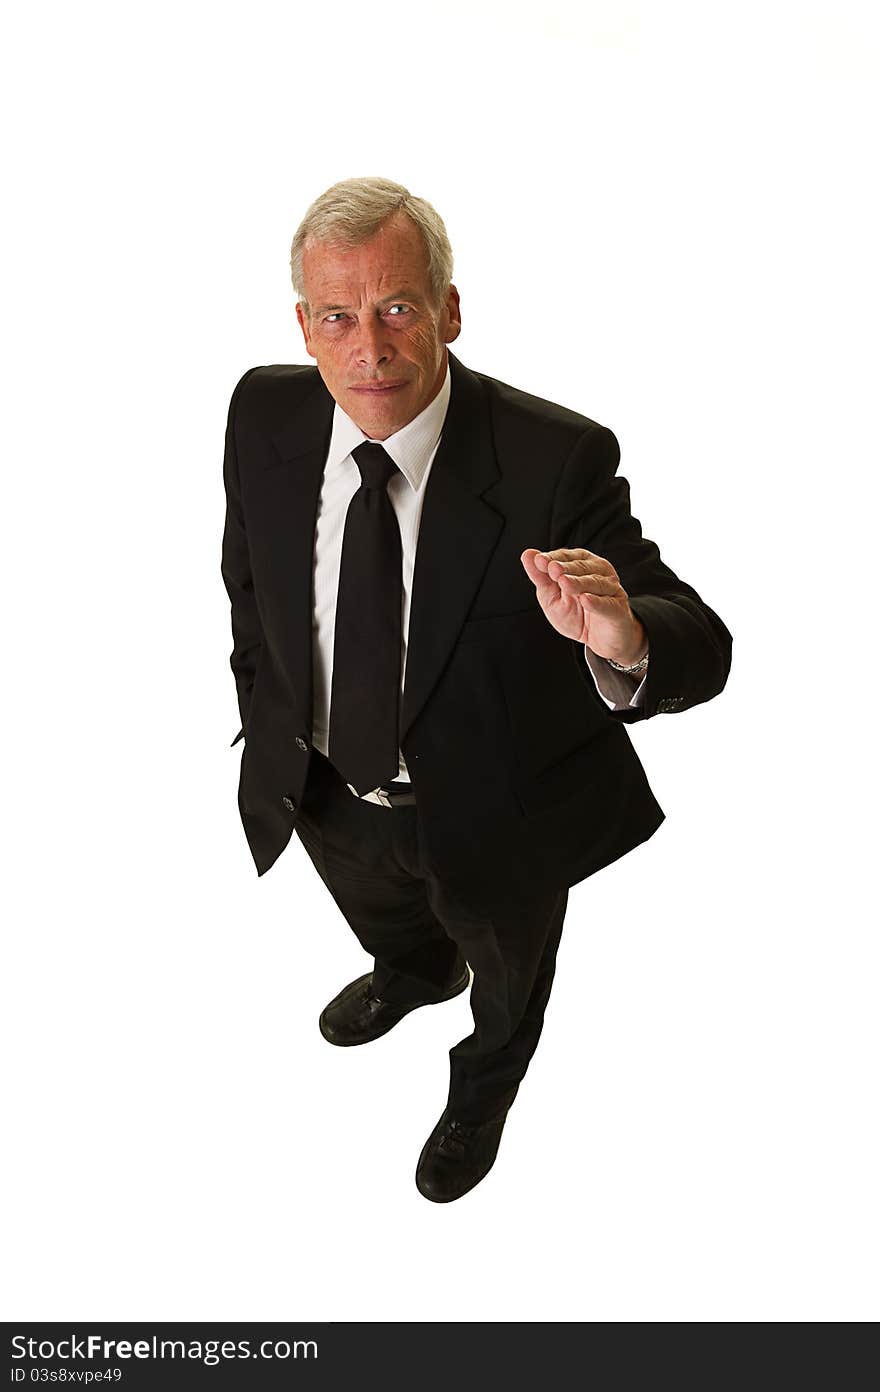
632	671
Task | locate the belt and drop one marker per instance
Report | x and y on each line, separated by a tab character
392	795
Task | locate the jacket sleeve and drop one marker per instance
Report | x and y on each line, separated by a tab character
247	634
690	648
615	689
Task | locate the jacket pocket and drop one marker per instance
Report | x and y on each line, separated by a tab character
491	625
576	774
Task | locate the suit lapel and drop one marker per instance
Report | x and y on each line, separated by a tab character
458	532
302	444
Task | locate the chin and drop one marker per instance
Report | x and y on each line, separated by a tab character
388	416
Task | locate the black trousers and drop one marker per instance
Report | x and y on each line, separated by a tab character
420	935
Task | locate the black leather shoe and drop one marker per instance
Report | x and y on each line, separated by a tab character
356	1016
456	1156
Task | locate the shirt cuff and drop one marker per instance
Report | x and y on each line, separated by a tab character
615	689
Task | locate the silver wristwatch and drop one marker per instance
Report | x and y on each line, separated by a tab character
632	671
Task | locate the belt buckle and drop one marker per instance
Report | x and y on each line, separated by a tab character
377	796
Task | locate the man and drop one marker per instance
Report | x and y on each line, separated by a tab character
443	615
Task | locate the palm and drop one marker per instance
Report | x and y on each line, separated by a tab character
582	597
566	612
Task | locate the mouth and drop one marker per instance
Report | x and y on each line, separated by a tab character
377	388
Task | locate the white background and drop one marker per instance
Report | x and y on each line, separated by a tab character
661	216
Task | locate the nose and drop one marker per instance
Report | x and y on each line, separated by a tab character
373	349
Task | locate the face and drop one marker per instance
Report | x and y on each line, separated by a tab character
376	334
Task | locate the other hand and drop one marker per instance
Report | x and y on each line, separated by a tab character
582	597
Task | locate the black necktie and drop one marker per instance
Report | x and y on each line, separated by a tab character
365	692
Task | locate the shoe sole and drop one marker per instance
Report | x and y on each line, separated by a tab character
453	991
451	1198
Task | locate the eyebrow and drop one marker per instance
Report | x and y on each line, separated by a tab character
386	299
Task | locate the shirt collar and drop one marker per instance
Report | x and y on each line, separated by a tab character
410	447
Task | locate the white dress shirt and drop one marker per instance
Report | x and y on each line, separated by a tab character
413	449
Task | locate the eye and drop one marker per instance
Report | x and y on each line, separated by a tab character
330	317
404	307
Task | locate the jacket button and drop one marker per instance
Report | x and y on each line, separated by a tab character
289	804
301	744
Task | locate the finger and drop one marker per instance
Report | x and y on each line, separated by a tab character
544	560
538	560
607	586
540	579
582	565
567	553
599	603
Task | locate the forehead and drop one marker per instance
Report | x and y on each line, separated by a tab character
395	253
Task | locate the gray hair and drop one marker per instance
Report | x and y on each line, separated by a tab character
352	211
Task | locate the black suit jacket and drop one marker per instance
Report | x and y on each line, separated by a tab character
522	774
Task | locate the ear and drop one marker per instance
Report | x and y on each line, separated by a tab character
451	316
303	320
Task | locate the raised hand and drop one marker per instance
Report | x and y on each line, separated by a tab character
582	597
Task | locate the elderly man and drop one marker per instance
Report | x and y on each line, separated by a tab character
443	616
